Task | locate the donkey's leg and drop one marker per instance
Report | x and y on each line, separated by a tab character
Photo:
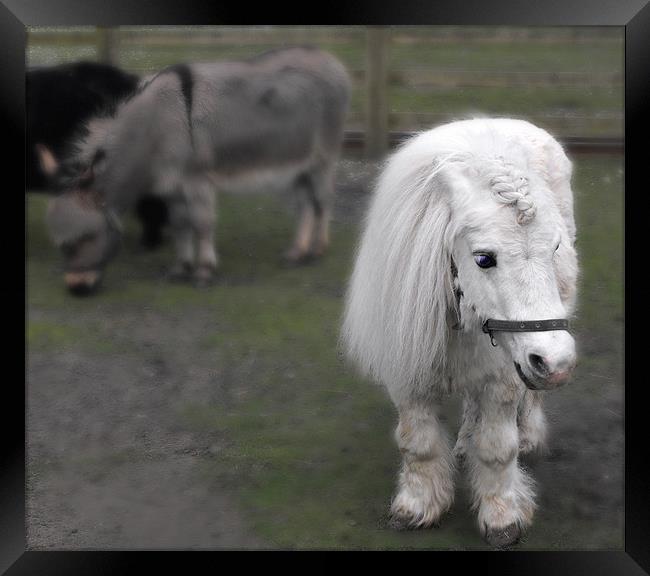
503	493
181	228
315	189
425	487
304	190
323	200
202	208
532	423
302	241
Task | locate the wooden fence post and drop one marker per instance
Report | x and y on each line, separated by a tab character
107	45
376	112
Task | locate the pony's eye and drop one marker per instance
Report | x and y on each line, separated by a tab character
485	260
558	245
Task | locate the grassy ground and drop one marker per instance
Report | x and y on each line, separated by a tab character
152	395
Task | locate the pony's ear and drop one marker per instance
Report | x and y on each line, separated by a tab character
557	170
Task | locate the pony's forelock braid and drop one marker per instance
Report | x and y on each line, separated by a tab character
510	186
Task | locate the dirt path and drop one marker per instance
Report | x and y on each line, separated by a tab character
105	433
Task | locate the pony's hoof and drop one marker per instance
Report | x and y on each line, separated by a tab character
402	523
399	523
406	518
503	537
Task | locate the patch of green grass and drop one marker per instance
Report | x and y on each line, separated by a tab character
61	335
519	56
50	335
599	198
39	246
506	99
317	461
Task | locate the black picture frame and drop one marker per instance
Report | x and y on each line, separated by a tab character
634	15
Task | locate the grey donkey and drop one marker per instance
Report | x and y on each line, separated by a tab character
273	122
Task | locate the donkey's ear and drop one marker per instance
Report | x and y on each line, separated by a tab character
46	159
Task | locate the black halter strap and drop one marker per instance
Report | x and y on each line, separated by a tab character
492	325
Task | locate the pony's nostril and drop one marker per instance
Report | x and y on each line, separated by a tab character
538	364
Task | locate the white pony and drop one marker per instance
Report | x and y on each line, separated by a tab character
471	221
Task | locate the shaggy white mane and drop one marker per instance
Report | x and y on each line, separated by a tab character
510	186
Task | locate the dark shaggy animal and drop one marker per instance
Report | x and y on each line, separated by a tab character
59	100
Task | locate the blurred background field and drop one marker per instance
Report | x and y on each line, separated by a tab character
567	80
162	416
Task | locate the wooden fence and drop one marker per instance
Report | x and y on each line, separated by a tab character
568	80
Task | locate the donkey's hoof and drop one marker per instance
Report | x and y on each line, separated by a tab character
292	259
204	277
180	273
503	537
202	283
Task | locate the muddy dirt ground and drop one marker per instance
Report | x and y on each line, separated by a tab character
155	420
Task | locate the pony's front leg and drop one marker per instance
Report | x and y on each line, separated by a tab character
425	488
503	494
468	423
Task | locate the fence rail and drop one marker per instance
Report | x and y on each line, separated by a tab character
355	140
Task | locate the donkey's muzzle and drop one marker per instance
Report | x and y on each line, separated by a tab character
82	283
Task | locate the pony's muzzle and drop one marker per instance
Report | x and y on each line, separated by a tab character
546	354
554	375
551	367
